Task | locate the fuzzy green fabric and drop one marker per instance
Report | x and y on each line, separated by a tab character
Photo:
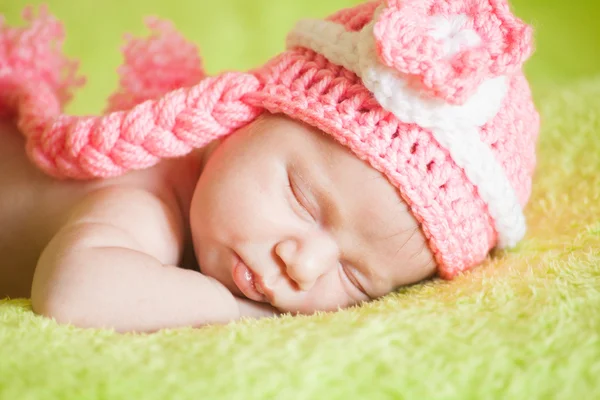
524	326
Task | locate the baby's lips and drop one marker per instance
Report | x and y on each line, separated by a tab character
447	48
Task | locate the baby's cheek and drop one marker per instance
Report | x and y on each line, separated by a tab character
194	219
209	209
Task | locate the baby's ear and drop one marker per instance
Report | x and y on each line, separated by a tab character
447	48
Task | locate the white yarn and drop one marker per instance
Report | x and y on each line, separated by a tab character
451	30
455	127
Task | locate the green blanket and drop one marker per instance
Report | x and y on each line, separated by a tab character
524	326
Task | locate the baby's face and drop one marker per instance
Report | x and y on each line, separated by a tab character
284	214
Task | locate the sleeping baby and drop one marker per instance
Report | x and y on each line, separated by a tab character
392	142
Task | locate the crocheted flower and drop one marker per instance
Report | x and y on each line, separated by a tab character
449	47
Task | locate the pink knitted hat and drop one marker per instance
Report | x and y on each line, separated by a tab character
429	92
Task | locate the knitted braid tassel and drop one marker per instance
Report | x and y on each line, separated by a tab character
165	106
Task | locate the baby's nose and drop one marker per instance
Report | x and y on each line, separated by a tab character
306	260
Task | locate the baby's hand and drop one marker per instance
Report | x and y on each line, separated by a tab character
113	265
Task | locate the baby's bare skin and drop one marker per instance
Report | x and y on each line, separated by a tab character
32	207
35	207
120	253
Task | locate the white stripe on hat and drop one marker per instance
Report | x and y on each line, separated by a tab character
455	127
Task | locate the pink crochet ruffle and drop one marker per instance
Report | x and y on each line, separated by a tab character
36	80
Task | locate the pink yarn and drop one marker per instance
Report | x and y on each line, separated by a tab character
35	81
163	62
403	44
454	219
32	54
165	107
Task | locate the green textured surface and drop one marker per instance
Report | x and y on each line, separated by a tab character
526	326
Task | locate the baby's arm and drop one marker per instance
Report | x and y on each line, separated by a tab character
114	265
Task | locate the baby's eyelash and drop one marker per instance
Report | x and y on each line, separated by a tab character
353	280
296	200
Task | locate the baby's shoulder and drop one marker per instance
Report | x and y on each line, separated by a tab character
25	192
35	207
149	218
39	205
